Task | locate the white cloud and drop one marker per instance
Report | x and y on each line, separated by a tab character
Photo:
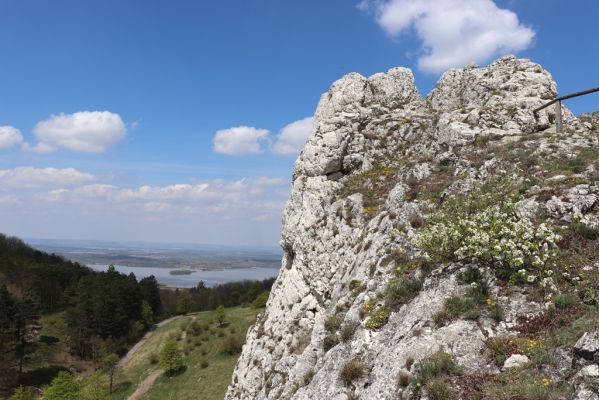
240	140
292	137
29	177
242	199
453	32
85	131
9	137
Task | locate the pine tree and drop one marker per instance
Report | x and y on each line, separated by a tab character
221	315
63	387
184	302
170	357
147	315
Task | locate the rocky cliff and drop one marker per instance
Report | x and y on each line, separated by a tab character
373	302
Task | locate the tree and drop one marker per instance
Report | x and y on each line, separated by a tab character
26	315
63	387
150	291
23	394
261	299
220	315
170	357
109	365
184	302
147	315
95	387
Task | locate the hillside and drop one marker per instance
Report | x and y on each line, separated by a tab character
440	247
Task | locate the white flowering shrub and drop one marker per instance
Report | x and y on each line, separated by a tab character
487	230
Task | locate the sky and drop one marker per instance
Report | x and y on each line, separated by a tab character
180	121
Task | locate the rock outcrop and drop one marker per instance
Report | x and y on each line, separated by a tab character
379	160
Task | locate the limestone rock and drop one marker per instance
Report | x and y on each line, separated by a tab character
515	360
588	345
376	146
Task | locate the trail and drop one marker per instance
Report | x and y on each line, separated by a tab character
144	339
145	385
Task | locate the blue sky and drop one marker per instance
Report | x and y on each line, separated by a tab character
116	116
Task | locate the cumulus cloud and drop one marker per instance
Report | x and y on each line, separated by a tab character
30	177
244	198
9	137
244	140
453	32
241	140
85	131
292	137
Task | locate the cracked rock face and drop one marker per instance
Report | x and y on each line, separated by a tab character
337	244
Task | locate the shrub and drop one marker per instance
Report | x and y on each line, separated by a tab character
154	358
584	230
63	387
261	299
329	341
308	376
488	230
438	389
170	357
378	318
333	323
348	330
230	345
302	342
204	364
403	379
565	300
351	371
401	291
437	365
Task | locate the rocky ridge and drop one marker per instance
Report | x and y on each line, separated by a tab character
381	159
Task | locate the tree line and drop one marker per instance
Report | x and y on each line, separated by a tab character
203	298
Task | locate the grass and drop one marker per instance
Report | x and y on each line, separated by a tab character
351	371
208	370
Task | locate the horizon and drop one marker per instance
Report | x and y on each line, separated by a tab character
158	123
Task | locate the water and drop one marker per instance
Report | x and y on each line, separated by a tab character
210	278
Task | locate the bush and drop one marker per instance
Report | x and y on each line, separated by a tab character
333	323
154	359
488	230
329	341
348	330
401	291
565	300
203	364
351	371
437	365
170	357
439	390
63	387
584	230
230	345
261	299
308	376
378	318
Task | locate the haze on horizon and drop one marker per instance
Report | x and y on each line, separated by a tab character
160	122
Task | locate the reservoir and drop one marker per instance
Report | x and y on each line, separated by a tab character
210	278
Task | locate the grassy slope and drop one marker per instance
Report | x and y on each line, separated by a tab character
195	382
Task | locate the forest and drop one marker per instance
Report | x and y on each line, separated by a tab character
104	313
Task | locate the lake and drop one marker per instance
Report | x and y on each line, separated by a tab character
210	278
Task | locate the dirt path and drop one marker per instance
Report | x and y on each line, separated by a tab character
143	340
145	385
